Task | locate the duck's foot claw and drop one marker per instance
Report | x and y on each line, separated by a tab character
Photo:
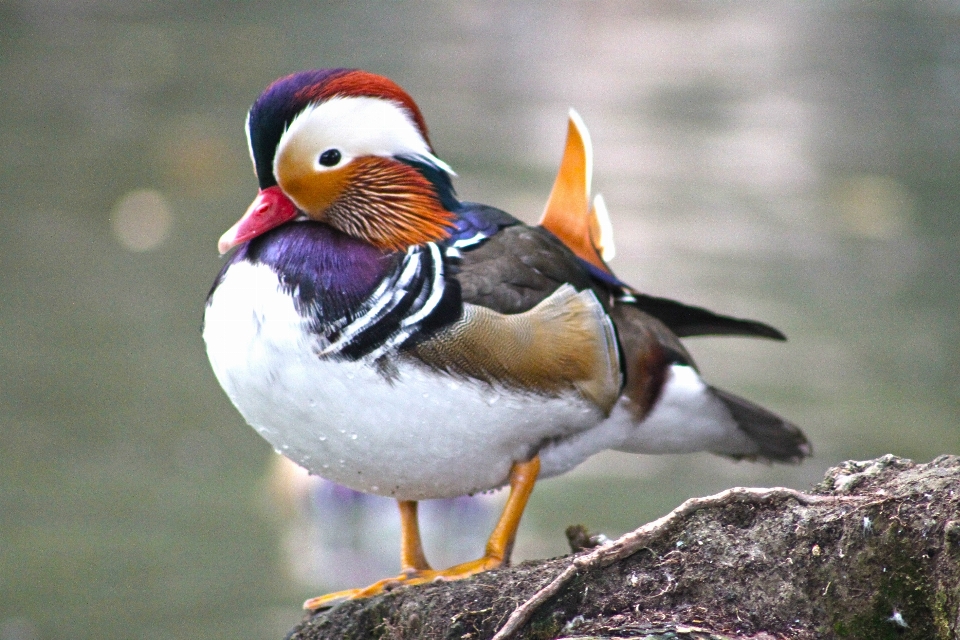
381	586
457	572
465	570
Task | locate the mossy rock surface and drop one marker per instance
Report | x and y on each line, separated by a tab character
881	561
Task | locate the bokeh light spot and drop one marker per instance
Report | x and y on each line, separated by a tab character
875	206
141	220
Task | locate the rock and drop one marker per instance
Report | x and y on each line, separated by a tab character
873	552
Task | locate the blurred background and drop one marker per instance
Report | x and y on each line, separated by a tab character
791	162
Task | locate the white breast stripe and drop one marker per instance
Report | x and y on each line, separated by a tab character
472	240
434	295
436	288
418	282
387	296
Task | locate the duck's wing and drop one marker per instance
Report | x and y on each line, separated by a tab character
531	317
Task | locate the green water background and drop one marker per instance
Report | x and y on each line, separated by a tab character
794	162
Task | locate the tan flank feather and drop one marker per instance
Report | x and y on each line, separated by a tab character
566	342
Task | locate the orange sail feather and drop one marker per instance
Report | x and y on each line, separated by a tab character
568	215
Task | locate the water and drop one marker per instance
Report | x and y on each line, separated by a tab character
792	163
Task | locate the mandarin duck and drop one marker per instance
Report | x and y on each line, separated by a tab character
389	337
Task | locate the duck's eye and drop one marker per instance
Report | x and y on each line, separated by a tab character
330	157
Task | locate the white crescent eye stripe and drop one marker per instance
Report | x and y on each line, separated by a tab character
357	126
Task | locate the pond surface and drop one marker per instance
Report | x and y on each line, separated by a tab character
784	161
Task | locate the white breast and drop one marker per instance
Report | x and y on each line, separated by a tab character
414	435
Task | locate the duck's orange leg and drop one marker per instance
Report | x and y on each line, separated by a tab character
523	476
412	558
413	562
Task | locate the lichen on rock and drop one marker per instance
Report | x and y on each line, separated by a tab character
872	552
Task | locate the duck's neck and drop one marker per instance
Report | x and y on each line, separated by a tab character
361	299
321	264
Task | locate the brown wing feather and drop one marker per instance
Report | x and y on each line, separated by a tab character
518	268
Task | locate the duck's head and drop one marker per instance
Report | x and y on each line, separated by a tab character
350	149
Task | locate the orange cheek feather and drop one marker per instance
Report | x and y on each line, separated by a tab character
390	205
313	191
380	200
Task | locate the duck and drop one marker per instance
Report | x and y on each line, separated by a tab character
389	337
